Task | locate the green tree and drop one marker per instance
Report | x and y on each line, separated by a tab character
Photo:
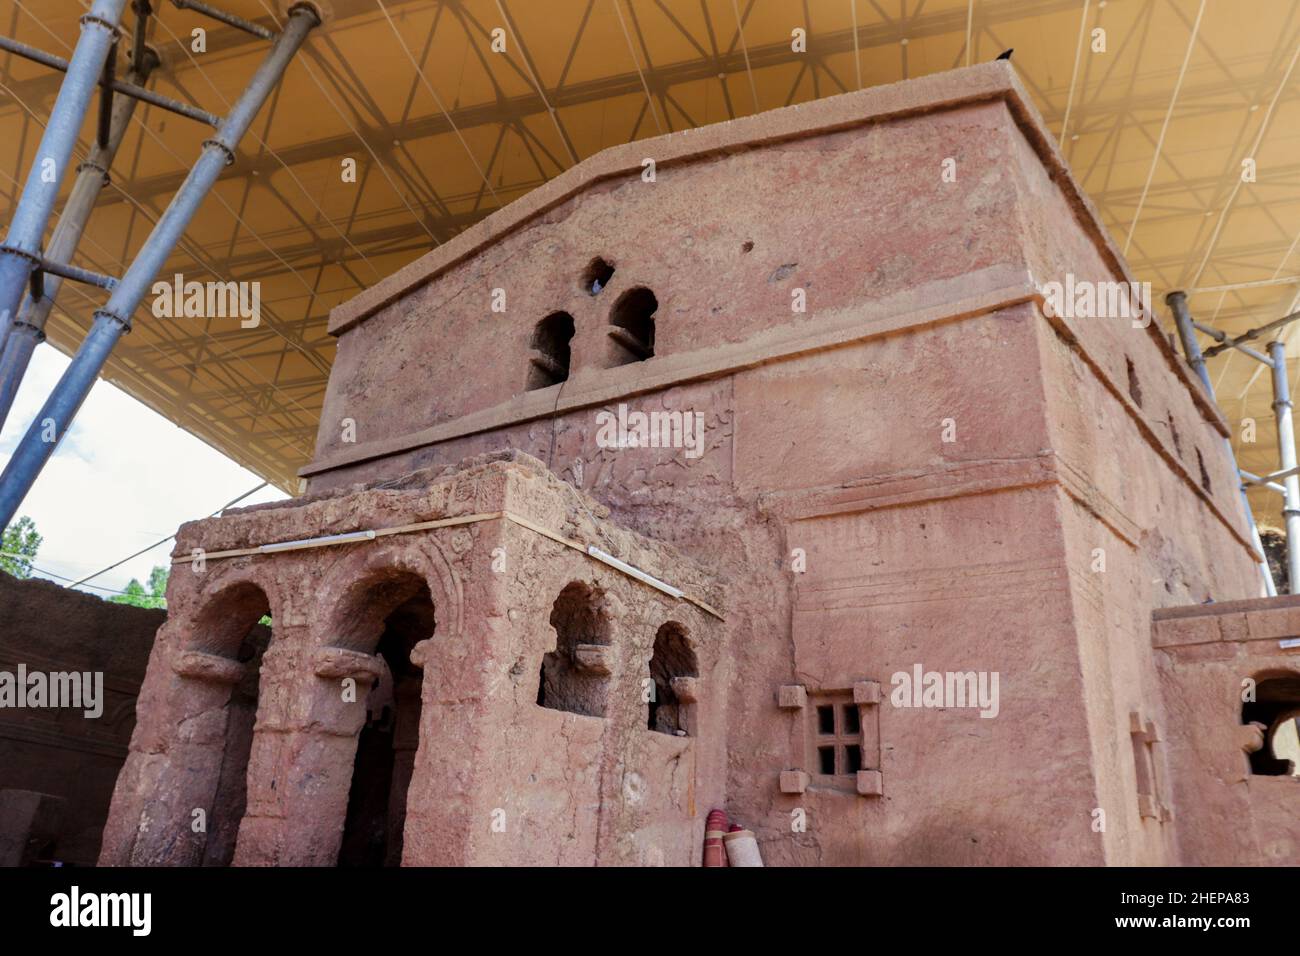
19	544
137	595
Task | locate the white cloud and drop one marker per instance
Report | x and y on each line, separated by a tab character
123	478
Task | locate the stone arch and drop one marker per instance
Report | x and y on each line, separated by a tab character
225	644
220	583
220	626
423	558
380	605
198	706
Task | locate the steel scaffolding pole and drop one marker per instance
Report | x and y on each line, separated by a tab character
92	176
1177	302
114	320
21	251
1286	451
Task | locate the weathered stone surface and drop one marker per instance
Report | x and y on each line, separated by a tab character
71	759
482	771
1230	814
907	467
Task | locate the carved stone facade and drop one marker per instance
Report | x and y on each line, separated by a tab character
456	631
905	464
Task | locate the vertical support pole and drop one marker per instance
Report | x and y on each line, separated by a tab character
114	320
92	176
1177	302
1286	450
22	246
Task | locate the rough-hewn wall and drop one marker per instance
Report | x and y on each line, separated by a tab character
61	753
498	774
1231	674
925	465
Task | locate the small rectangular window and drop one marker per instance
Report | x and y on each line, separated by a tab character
826	720
852	758
826	759
852	725
834	736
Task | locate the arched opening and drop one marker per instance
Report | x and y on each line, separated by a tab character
632	331
387	616
1276	711
596	276
575	676
236	625
672	666
549	363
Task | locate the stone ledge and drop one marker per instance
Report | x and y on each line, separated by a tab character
340	663
200	665
1254	619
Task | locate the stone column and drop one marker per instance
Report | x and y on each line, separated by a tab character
406	741
300	771
174	766
466	675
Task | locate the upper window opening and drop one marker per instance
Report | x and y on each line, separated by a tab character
596	276
826	720
227	627
549	363
633	331
360	617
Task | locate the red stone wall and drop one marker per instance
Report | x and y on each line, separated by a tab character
495	777
1036	544
926	468
1210	659
60	753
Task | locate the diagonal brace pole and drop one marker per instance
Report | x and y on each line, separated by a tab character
21	250
114	320
92	177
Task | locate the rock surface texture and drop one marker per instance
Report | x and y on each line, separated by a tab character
869	444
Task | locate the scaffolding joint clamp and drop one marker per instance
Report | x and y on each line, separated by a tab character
307	6
106	24
112	316
98	168
33	257
230	153
37	332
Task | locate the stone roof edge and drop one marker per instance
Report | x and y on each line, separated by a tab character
940	91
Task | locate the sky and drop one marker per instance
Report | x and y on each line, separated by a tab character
123	478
